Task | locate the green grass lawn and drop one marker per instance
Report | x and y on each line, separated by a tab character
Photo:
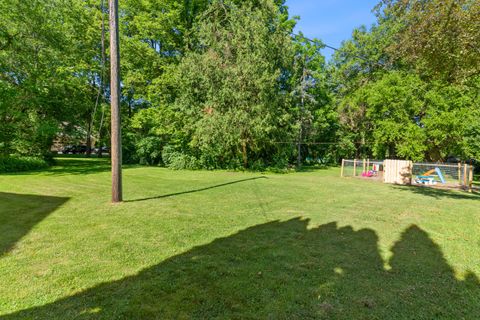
232	245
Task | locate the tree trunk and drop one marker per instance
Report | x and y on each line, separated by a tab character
100	136
102	82
88	153
90	118
116	136
299	148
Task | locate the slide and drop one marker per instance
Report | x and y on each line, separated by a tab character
440	175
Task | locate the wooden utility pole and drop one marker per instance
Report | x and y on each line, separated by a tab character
302	111
300	137
116	136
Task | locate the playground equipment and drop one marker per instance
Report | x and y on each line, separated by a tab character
428	178
373	172
443	175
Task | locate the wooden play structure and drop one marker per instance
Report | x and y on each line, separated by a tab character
404	172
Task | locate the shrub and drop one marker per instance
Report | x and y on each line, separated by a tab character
149	150
177	160
18	163
129	152
258	165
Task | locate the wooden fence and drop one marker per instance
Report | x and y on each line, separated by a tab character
398	172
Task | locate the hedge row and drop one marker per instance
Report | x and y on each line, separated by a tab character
18	163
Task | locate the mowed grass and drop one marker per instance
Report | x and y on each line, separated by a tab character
231	245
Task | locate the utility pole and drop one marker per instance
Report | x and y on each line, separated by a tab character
116	136
303	88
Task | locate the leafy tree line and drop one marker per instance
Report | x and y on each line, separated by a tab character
409	86
46	67
227	84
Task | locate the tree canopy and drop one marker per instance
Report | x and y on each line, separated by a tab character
226	84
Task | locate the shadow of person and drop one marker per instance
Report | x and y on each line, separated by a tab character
283	270
19	213
424	281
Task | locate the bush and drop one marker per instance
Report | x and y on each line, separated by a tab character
129	152
149	150
177	160
17	164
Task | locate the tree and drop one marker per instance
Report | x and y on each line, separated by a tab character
359	61
309	93
230	85
43	72
406	87
440	38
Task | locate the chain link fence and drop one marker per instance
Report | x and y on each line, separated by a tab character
446	175
442	174
365	168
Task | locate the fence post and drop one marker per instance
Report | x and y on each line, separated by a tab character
364	165
465	175
459	174
410	171
384	171
470	179
343	165
368	164
354	167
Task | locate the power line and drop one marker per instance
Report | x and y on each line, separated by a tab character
321	43
315	41
334	49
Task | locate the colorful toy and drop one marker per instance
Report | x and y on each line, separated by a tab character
368	174
371	173
428	177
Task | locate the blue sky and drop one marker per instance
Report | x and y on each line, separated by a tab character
332	21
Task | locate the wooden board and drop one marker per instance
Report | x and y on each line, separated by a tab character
397	172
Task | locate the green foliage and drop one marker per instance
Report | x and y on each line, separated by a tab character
225	84
45	68
18	164
191	79
311	102
229	87
149	150
405	90
441	38
177	160
129	149
402	116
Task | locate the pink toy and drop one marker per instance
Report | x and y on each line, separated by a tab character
368	174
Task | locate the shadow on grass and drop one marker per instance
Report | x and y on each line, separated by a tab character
439	193
284	270
313	168
70	166
79	166
19	213
196	190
